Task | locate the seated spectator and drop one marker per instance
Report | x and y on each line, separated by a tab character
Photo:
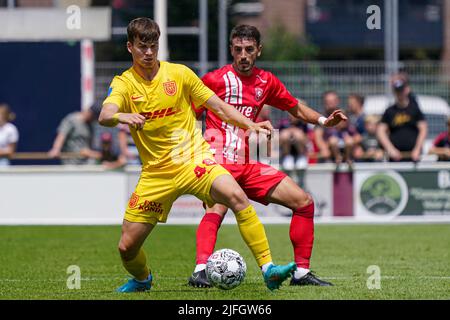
9	135
356	115
127	146
341	140
369	148
75	135
107	157
403	128
441	145
331	102
293	134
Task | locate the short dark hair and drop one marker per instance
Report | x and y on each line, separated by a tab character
245	31
357	97
143	28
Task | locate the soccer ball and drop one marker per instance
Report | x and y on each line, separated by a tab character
225	269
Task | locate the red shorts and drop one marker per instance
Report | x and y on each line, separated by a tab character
255	179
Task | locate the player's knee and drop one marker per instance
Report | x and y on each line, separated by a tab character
126	251
304	200
238	198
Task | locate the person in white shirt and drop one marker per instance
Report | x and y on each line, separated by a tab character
9	135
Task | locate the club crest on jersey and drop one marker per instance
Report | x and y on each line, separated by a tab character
170	88
258	93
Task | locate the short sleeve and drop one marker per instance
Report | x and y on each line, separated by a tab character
198	91
439	141
420	115
13	136
386	118
199	109
66	125
118	94
280	97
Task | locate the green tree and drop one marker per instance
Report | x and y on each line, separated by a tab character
281	45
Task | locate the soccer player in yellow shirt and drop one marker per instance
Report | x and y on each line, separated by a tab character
154	98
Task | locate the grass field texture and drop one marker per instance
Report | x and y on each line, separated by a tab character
414	261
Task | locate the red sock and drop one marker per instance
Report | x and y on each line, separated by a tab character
301	233
207	236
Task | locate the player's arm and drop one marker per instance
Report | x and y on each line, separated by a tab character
229	114
309	115
55	151
8	151
110	117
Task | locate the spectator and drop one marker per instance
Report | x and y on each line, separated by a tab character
107	156
356	115
293	134
331	102
127	146
75	135
403	128
9	135
441	145
341	140
369	149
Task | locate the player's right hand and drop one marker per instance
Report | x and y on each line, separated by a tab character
134	120
264	127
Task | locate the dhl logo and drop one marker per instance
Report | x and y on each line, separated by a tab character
160	113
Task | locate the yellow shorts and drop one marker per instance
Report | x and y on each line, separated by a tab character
157	191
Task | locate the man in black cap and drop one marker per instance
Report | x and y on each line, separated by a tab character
403	128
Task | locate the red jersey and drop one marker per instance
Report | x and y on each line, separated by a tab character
248	94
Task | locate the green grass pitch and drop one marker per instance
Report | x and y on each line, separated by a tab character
414	261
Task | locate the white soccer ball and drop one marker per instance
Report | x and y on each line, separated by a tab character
226	269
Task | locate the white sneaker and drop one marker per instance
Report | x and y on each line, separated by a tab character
288	163
301	163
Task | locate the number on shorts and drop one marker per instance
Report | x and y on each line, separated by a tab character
199	171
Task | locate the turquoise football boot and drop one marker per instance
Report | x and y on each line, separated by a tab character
275	275
136	286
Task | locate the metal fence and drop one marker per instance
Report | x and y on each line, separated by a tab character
308	80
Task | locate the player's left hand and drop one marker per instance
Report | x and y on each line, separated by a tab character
336	117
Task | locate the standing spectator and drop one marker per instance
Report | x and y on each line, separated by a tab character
9	135
441	145
356	115
331	102
75	136
369	149
403	128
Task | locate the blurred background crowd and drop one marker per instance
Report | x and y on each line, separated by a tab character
323	51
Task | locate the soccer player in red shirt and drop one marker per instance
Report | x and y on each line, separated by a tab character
249	88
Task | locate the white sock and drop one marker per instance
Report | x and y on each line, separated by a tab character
300	273
200	267
146	280
266	266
